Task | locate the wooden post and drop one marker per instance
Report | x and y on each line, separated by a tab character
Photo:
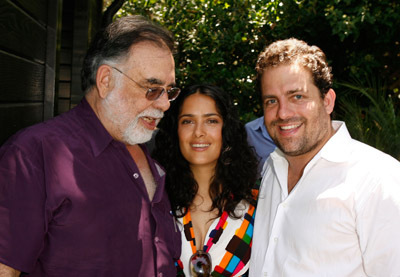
50	64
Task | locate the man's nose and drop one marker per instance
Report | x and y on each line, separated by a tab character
285	110
162	103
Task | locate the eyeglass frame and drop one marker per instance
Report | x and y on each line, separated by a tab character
151	90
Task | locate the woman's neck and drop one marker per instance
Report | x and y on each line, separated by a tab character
200	209
203	175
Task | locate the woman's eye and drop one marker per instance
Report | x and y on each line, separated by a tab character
298	96
186	121
213	121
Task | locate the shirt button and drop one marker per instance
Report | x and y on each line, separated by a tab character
265	274
160	274
284	205
135	175
276	239
157	239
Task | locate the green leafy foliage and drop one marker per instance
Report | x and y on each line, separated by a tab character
218	42
370	112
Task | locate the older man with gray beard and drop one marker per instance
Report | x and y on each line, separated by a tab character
80	195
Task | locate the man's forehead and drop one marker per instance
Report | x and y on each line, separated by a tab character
286	75
149	49
293	67
151	62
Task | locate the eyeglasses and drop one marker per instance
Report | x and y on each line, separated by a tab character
200	264
155	92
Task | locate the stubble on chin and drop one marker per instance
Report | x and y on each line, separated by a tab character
301	148
307	143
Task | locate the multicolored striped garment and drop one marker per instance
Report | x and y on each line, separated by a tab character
231	242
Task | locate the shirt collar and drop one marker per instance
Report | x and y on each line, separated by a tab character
99	138
258	124
338	148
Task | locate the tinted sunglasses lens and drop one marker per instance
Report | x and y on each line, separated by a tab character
173	93
200	264
154	93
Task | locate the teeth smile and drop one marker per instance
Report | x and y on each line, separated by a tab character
289	127
200	145
149	119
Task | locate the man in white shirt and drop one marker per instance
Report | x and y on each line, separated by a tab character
328	205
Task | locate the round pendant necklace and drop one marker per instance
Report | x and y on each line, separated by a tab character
200	263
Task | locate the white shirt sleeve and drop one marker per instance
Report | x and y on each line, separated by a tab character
378	225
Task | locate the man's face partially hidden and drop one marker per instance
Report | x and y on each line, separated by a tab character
296	117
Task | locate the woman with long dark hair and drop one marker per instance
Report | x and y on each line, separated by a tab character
211	173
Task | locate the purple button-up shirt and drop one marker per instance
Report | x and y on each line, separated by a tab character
73	203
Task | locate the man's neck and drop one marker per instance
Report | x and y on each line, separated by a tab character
98	109
141	162
298	163
295	170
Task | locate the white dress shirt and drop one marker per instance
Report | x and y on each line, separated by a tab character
341	219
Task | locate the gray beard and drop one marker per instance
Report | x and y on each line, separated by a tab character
136	134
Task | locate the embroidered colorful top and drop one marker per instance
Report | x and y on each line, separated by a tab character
228	242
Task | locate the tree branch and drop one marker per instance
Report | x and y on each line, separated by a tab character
111	10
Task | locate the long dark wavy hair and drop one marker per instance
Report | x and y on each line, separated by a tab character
236	169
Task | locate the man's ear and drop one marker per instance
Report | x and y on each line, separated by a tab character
329	101
104	80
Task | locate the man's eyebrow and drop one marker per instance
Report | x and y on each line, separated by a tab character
292	91
295	90
155	81
267	96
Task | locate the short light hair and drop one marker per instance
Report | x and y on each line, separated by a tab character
294	51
